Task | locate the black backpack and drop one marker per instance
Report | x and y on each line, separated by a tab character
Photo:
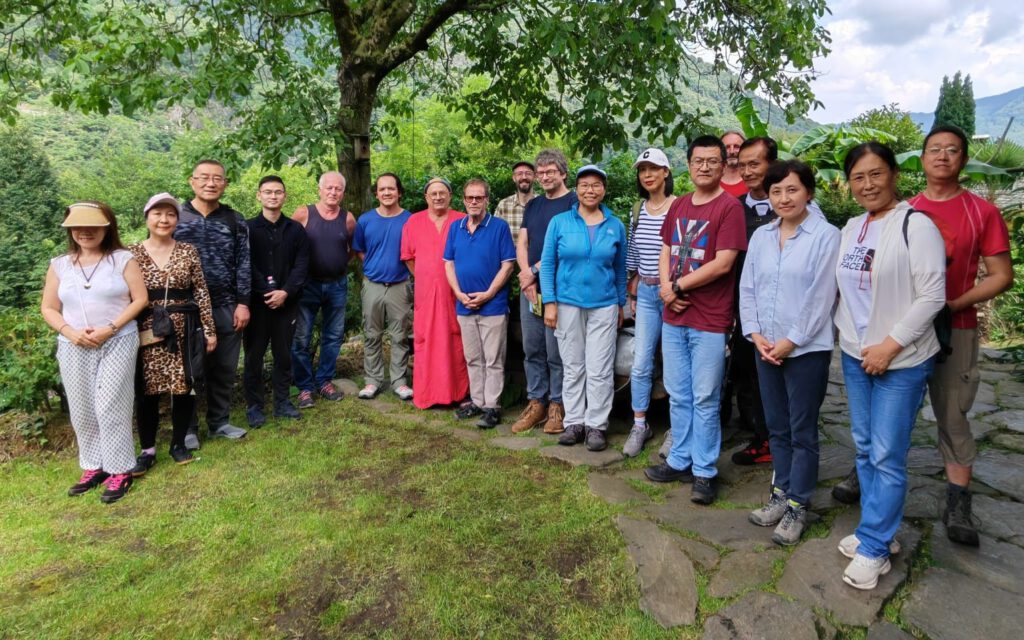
943	321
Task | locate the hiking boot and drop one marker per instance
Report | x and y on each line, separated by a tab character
404	392
848	491
754	453
704	490
863	573
596	440
848	546
287	410
229	431
181	455
369	392
192	441
117	486
638	437
573	434
255	417
330	392
531	416
770	514
665	473
90	479
490	419
305	399
143	464
556	417
468	411
794	520
666	444
957	516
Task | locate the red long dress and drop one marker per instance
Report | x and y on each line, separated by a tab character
439	373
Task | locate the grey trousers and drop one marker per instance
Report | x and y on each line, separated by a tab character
483	343
389	304
586	341
221	369
100	386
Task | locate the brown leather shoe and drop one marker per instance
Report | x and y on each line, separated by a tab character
531	416
556	414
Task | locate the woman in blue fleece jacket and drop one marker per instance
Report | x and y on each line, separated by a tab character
583	285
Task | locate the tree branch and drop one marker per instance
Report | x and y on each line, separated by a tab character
418	41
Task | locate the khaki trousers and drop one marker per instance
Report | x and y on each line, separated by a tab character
952	388
483	343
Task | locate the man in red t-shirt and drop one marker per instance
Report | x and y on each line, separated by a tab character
702	235
972	228
732	180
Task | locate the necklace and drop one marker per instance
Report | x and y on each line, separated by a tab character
88	278
655	210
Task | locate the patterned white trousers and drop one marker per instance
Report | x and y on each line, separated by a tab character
100	385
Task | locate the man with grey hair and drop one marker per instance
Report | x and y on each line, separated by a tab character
543	363
732	181
329	230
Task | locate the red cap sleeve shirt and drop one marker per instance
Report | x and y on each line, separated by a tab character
695	234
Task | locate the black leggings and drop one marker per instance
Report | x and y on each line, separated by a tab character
149	418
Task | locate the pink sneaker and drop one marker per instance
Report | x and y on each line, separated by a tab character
117	486
90	478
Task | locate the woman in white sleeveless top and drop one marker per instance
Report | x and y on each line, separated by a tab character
92	294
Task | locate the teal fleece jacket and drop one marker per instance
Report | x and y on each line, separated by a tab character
575	271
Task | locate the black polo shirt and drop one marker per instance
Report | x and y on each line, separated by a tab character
279	249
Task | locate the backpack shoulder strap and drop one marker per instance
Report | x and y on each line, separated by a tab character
635	216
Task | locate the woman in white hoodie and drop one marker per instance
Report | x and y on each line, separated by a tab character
892	278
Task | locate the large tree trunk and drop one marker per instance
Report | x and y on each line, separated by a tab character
358	84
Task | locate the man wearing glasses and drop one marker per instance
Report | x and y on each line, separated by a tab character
543	363
511	209
329	229
222	238
478	259
280	262
703	233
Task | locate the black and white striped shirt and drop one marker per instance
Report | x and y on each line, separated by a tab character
644	245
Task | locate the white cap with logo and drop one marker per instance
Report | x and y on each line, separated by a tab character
653	156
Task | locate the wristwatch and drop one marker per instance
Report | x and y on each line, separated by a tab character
113	327
676	289
534	270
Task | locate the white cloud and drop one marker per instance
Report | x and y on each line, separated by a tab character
892	51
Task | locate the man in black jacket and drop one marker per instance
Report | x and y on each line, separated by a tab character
280	264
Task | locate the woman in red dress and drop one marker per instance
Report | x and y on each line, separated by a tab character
439	372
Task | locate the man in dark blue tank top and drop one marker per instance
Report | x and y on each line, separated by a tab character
329	229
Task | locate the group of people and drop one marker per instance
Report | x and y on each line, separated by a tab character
746	264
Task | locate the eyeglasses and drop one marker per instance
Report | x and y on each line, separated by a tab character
474	198
208	178
522	174
275	192
590	186
935	151
548	172
710	163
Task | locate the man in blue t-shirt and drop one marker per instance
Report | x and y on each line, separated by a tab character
478	259
387	293
543	364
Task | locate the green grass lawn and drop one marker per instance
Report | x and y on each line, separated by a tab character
355	522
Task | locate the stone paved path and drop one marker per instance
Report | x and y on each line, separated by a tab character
685	554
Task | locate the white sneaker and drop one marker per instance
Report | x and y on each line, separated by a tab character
848	546
404	392
369	392
666	445
863	573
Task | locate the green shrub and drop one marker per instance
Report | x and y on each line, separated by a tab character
28	367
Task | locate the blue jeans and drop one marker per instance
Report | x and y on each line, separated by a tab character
693	379
882	413
329	298
646	336
543	362
793	393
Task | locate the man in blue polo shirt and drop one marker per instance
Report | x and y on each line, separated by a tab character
478	259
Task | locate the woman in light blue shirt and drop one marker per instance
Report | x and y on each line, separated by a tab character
787	294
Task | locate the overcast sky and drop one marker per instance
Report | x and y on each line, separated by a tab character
898	50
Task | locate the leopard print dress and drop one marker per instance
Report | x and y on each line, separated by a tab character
163	371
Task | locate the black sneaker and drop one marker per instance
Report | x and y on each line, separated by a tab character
848	491
704	490
574	434
467	411
117	486
957	517
143	464
665	473
596	440
490	419
181	455
255	417
91	478
754	453
287	410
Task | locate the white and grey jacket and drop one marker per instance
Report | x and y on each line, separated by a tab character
908	287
